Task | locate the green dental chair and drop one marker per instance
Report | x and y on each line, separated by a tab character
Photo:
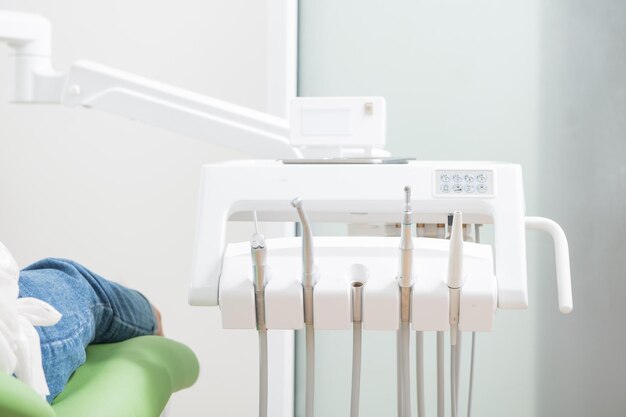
134	378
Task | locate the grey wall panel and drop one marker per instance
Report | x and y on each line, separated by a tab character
581	363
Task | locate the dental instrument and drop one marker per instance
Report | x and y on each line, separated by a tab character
405	281
258	251
455	282
455	273
357	342
308	282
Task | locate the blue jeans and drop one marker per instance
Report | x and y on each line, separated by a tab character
94	311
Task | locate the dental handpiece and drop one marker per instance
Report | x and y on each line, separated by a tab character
455	272
308	263
405	281
259	263
405	278
308	281
258	251
455	282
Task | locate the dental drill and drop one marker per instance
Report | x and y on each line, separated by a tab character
261	274
405	281
308	282
455	282
357	342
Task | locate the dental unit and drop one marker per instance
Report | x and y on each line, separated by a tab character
331	153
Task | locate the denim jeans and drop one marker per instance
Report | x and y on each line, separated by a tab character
94	311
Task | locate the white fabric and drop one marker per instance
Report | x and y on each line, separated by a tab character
20	349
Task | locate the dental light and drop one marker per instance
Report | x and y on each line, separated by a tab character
95	86
331	153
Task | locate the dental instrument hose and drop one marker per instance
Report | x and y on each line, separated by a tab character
473	348
455	359
441	408
259	262
405	281
308	281
357	342
419	367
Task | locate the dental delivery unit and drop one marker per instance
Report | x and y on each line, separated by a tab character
326	164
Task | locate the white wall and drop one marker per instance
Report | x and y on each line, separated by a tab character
120	197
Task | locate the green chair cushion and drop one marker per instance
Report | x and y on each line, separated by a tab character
134	378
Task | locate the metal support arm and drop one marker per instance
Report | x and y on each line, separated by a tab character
92	85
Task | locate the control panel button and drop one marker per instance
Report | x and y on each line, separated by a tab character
470	183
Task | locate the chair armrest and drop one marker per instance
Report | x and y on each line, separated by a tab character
134	378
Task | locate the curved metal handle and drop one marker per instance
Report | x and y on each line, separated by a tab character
561	256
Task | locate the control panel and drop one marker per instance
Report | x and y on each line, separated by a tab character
464	182
489	192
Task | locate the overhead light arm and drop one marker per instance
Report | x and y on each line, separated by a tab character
320	127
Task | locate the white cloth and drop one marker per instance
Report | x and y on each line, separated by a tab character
20	349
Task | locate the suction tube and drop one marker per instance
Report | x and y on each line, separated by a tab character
308	281
357	342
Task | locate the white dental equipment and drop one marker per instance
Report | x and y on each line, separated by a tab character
260	277
455	282
95	86
336	190
308	282
485	193
405	281
357	338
